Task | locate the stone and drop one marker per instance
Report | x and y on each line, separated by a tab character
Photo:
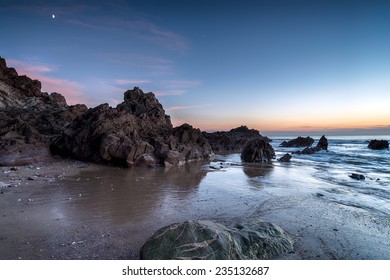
286	158
378	144
298	142
322	144
233	140
207	240
257	151
357	176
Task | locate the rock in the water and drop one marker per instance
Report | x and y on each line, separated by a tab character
257	151
357	176
206	240
298	142
285	158
378	144
322	144
233	140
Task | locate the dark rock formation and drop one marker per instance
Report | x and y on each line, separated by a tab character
34	124
298	142
357	176
378	144
135	133
321	145
205	240
285	158
257	151
233	140
29	118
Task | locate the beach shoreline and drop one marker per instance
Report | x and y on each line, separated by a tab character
319	229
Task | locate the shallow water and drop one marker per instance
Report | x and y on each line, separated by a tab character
308	196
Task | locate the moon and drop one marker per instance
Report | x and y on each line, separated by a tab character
53	16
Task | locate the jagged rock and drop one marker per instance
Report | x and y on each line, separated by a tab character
29	118
206	240
233	140
378	144
321	145
298	142
285	158
257	150
135	133
131	135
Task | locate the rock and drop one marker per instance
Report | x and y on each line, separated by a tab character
322	144
298	142
233	140
207	240
35	124
257	151
357	176
285	158
132	134
378	144
29	118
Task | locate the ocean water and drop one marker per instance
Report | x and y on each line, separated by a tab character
331	169
328	214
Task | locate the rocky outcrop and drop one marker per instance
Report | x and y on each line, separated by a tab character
135	133
257	151
233	140
29	118
286	158
34	124
298	142
378	144
321	145
207	240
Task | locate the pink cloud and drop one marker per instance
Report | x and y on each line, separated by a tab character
71	90
186	107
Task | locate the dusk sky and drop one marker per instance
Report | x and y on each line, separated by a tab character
268	64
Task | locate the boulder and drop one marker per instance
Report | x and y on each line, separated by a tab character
207	240
233	140
357	176
321	145
285	158
378	144
257	151
298	142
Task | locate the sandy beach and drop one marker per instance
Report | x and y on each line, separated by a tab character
35	225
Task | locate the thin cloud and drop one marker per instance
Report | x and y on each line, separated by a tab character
172	108
183	84
131	82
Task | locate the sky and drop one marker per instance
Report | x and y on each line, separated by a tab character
278	66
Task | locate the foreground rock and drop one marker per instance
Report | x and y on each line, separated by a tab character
135	133
298	142
321	145
206	240
285	158
257	151
29	118
378	144
233	140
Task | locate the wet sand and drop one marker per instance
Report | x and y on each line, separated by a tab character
72	210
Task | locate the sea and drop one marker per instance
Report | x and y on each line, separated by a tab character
313	197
